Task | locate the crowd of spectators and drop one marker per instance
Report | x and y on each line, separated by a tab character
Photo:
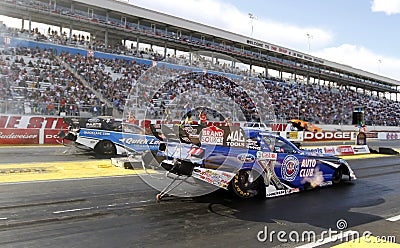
36	83
86	42
112	78
319	104
211	86
325	105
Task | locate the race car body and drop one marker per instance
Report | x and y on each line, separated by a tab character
300	125
251	162
106	137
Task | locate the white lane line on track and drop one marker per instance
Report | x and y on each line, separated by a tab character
72	210
394	218
99	207
330	239
4	218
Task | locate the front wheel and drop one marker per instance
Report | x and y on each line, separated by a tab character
246	184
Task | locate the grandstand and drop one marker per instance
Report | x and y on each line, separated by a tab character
58	73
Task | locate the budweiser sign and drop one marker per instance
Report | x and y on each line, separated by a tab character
19	136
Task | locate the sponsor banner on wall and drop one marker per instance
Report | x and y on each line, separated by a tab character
327	136
340	150
372	135
318	150
19	136
392	136
41	122
294	136
23	136
388	135
279	127
329	150
50	136
344	150
361	149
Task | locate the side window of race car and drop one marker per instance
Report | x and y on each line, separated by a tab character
283	147
268	144
279	146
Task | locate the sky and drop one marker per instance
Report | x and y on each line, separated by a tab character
363	34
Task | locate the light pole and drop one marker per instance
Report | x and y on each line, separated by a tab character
252	18
309	37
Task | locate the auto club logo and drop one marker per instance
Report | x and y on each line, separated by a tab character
290	168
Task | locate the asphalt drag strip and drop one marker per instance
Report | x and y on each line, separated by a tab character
84	167
122	211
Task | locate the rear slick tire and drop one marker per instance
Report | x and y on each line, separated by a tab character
337	175
105	147
245	186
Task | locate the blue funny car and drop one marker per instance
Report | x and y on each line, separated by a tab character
249	162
